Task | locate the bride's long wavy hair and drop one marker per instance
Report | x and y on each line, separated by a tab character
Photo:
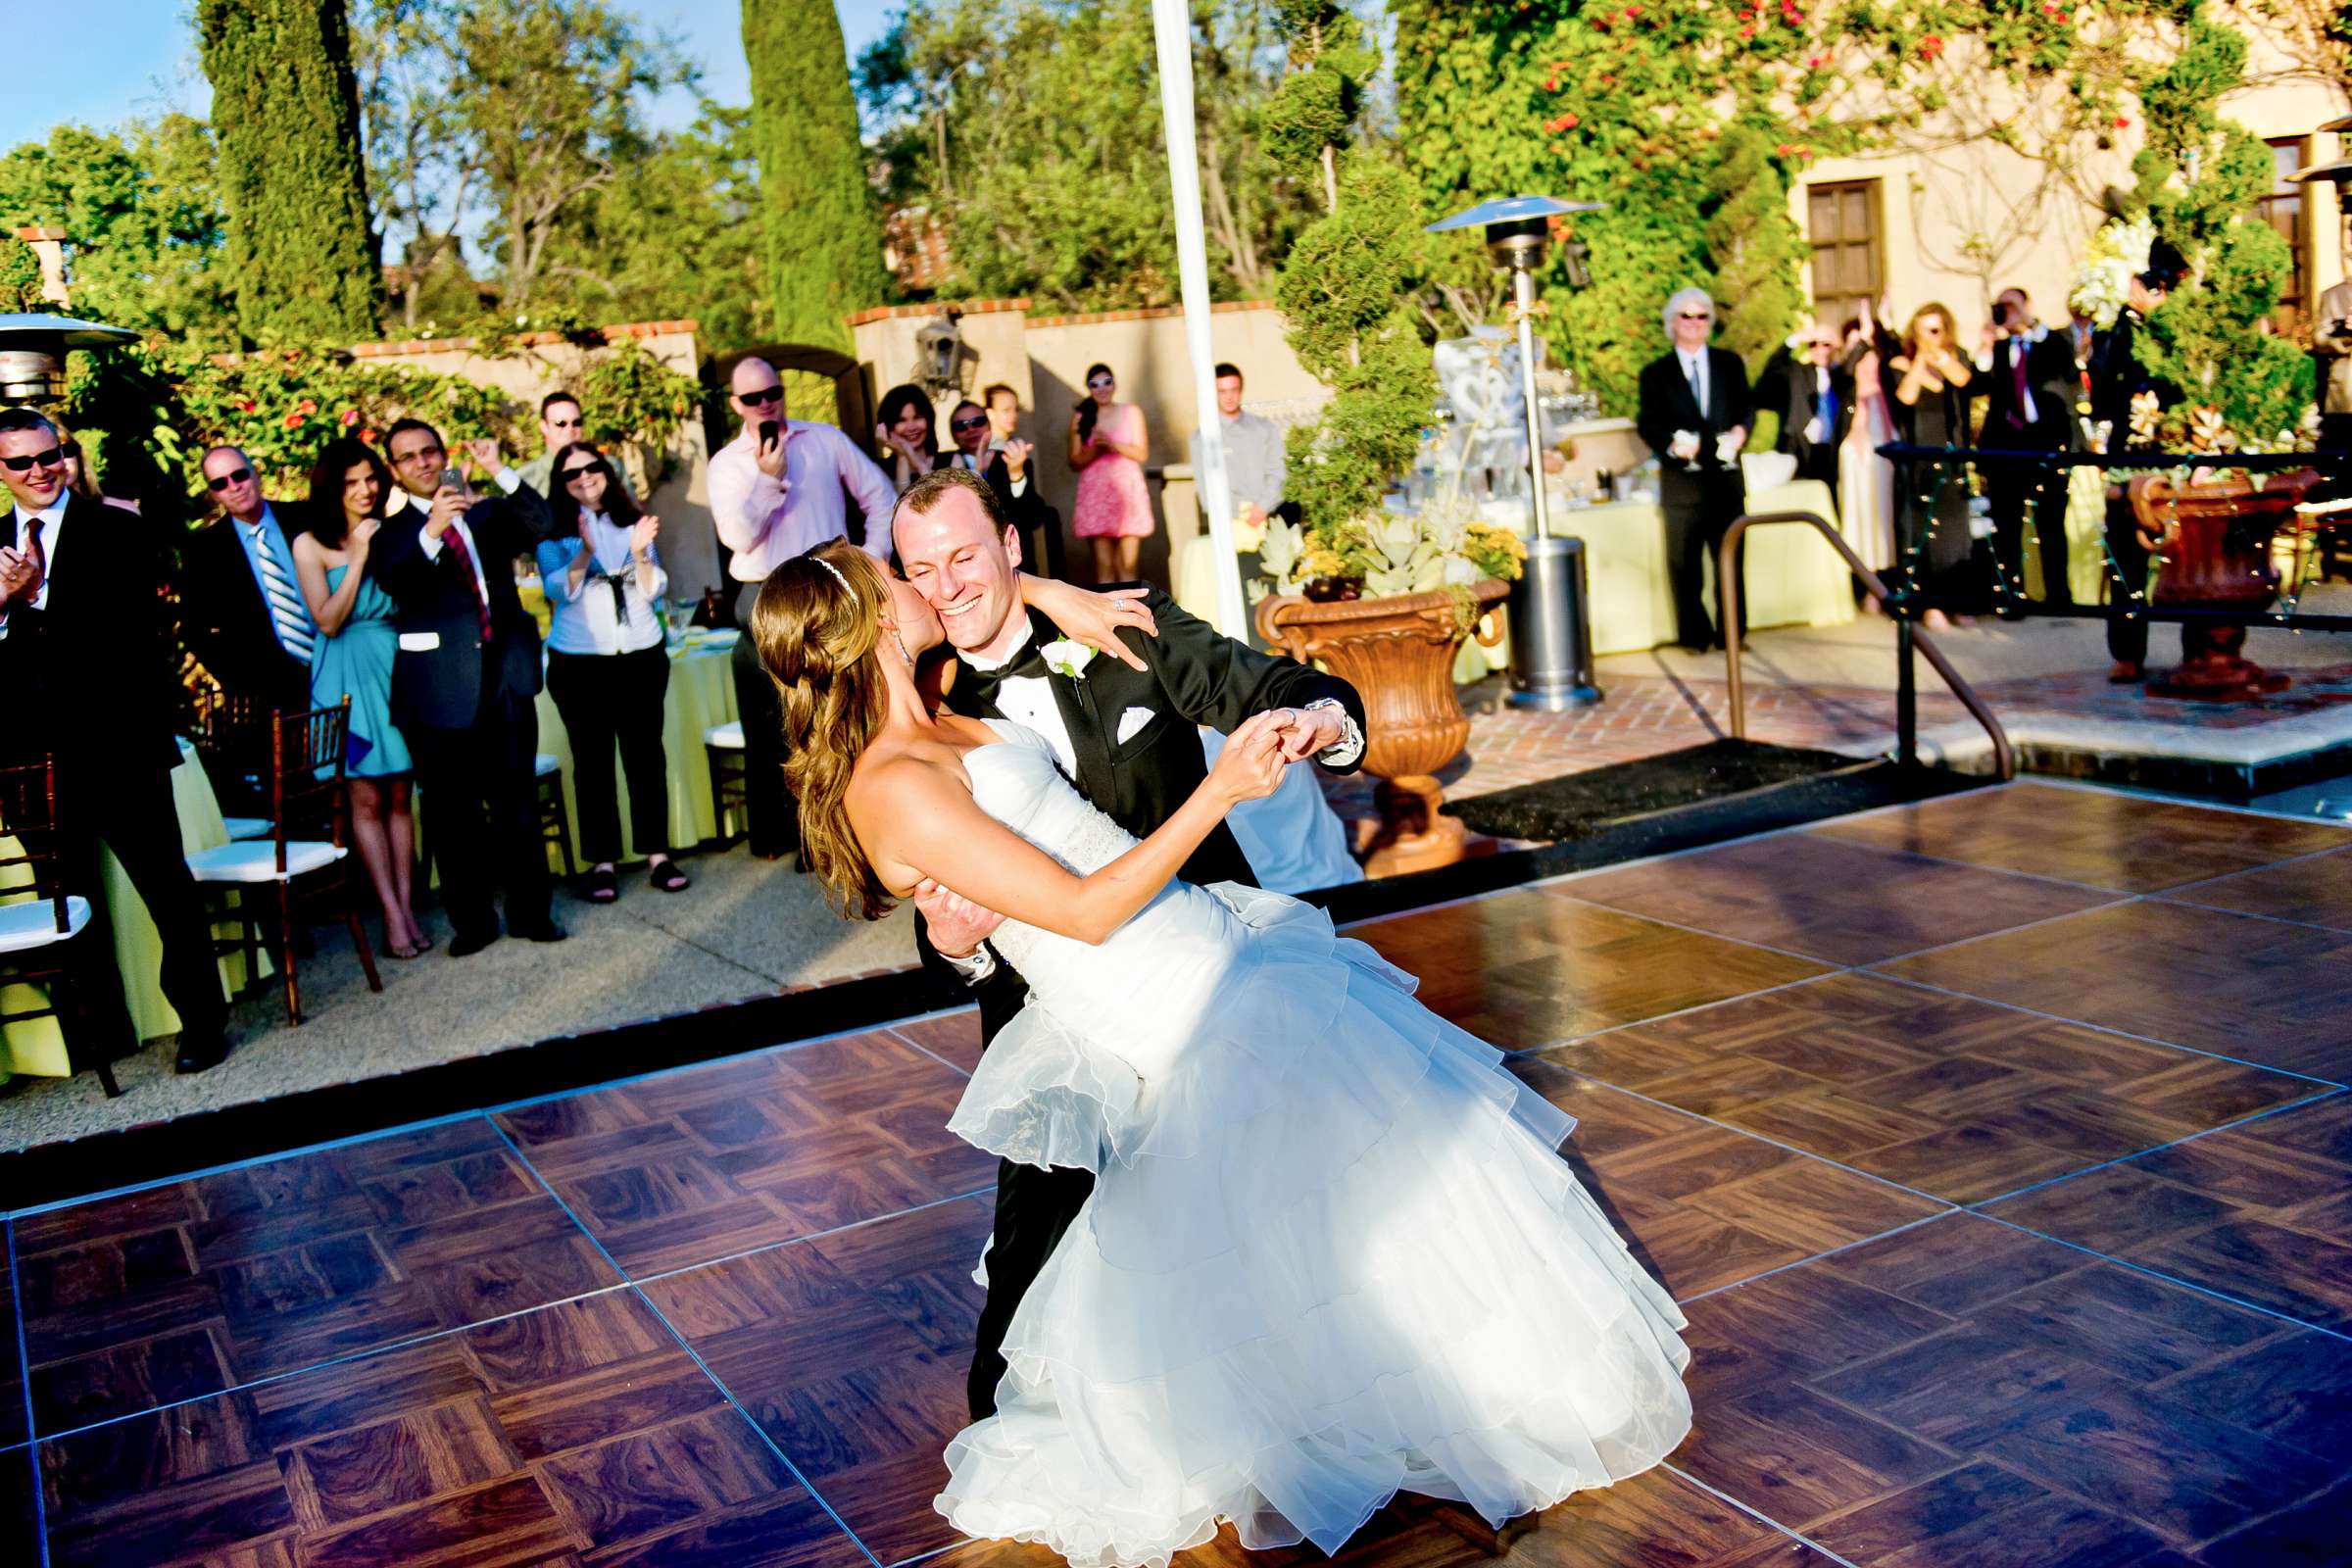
817	640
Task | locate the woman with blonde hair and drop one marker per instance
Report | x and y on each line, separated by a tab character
1332	1252
1931	410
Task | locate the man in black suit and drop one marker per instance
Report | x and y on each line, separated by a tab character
2116	381
1815	400
2029	406
1127	735
1694	415
87	668
464	680
240	609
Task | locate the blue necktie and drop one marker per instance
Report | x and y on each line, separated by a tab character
1827	405
287	612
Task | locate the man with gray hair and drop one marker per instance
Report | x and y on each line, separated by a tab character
1696	409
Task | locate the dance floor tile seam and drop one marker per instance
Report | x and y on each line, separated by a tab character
1756	1513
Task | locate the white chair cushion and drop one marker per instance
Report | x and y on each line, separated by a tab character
23	926
257	861
544	765
726	737
248	827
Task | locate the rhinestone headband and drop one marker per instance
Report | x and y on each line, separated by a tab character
837	576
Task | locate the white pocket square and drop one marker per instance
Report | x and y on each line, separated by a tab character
1131	724
419	641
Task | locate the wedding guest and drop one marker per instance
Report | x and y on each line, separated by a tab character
1005	463
1866	494
906	436
353	656
1108	447
1814	396
465	678
561	423
1695	414
1931	410
1255	468
2116	381
782	486
1003	406
87	663
241	611
2029	406
608	669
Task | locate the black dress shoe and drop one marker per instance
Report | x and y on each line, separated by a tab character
544	931
465	944
199	1051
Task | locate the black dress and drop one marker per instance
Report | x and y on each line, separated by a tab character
1933	545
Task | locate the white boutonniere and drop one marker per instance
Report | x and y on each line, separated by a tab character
1066	658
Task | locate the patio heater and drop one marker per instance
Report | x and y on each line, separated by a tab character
32	354
1552	636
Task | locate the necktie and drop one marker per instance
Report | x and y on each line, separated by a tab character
40	557
1699	386
286	609
1824	407
2017	382
456	542
979	686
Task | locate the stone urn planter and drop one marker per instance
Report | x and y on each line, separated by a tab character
2215	549
1398	653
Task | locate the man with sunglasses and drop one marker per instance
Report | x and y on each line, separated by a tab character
1695	410
781	487
87	678
241	611
560	424
466	678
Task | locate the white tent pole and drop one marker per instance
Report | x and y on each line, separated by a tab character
1172	27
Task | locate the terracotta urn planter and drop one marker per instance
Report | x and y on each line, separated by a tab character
1398	653
2216	549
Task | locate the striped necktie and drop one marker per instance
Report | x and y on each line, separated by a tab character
286	609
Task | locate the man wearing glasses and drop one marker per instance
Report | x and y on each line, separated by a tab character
465	679
1695	414
781	487
87	669
560	424
240	609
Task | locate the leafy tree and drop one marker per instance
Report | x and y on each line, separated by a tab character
302	258
143	222
425	172
20	278
1756	247
824	245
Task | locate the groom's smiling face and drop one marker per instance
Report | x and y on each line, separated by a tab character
963	565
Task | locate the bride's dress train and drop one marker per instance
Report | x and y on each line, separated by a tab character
1332	1252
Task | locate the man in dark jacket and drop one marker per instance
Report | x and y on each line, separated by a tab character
2116	381
2029	386
1695	414
1814	396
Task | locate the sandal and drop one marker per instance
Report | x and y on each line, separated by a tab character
669	879
404	954
604	885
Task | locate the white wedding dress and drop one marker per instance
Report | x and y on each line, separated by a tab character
1332	1252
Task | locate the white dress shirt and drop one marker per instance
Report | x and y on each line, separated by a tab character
767	521
584	619
1694	371
1029	699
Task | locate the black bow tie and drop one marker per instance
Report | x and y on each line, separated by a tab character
980	685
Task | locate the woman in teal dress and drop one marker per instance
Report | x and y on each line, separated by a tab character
353	658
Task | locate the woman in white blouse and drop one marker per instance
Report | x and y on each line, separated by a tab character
607	667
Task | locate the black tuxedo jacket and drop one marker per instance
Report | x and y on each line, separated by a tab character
1790	388
1193	675
2116	378
225	619
1667	406
92	677
2050	377
438	679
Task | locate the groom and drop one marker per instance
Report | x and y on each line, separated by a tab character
1128	737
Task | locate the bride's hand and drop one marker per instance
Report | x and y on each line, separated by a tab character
1093	618
1250	767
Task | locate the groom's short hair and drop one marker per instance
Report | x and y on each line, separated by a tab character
925	493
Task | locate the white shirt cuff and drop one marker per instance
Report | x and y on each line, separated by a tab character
428	545
1350	744
509	478
1022	483
976	967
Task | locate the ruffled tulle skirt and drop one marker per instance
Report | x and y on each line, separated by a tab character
1332	1254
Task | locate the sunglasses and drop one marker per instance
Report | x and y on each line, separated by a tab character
1103	380
1698	316
36	460
978	421
222	483
764	397
571	475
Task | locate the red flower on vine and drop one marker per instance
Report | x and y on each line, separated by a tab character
306	405
1564	123
245	404
369	435
1748	32
2123	122
293	421
1929	47
351	416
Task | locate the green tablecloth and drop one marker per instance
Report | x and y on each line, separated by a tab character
701	694
35	1047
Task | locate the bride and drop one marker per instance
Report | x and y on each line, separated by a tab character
1332	1251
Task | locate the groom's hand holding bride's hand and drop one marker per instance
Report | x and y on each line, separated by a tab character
958	925
1308	731
1251	764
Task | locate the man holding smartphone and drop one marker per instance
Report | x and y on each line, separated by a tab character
781	487
2030	381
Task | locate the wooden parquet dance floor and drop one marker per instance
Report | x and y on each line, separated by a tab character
1998	1147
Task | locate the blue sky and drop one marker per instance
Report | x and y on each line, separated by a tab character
106	61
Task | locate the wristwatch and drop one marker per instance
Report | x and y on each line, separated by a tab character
1350	744
976	967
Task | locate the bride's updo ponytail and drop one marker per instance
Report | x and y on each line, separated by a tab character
815	624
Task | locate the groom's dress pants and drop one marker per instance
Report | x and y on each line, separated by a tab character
1034	1207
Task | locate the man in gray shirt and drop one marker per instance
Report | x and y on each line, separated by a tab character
1253	464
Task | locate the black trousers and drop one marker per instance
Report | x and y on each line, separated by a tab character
2126	640
609	699
133	815
1700	509
483	787
774	817
2021	493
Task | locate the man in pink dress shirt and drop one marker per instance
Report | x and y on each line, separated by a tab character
779	488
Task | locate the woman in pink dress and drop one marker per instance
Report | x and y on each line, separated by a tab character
1108	447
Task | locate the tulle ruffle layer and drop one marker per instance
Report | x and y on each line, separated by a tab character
1333	1255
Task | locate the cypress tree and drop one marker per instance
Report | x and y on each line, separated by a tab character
302	256
824	250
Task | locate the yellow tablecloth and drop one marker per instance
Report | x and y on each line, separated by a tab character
35	1047
701	694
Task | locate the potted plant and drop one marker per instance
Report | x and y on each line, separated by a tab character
1383	600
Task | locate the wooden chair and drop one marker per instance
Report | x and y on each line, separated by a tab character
305	787
555	817
232	742
722	744
36	931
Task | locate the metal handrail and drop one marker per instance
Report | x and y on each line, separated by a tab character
1906	634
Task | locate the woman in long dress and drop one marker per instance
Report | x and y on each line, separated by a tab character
1332	1252
1931	409
1108	447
